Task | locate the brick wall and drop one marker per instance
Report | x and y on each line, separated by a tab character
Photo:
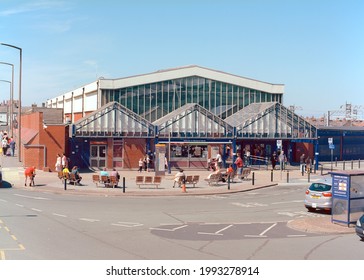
134	149
49	141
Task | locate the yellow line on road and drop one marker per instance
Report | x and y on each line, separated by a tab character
13	237
2	255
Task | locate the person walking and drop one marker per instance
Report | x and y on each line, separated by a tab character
302	163
58	164
282	160
239	164
12	146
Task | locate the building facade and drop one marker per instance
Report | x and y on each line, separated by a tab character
195	111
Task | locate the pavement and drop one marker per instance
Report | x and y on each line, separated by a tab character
13	177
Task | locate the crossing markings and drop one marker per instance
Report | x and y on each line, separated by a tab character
249	204
59	215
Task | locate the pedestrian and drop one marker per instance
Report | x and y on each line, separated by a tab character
58	164
145	162
12	146
219	160
4	145
76	172
141	163
273	160
29	173
282	160
115	174
308	165
104	172
64	161
239	164
179	177
302	163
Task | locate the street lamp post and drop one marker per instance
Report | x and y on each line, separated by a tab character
11	98
19	102
7	112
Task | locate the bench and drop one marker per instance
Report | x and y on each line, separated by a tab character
148	180
107	181
214	179
69	177
192	180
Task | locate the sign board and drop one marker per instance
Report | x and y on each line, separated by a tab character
279	144
330	140
160	157
331	146
340	186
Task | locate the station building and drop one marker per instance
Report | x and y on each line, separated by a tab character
195	112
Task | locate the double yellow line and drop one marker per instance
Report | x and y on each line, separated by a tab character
2	251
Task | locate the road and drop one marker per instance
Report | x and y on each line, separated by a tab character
249	226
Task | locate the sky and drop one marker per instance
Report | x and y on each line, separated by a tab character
314	47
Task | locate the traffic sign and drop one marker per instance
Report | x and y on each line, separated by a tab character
331	146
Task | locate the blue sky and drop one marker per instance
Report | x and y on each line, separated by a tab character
314	47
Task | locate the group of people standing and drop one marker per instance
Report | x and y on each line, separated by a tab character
7	144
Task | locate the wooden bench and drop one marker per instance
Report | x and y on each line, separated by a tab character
69	177
214	179
107	181
192	180
148	180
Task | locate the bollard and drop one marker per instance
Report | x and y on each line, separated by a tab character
287	176
359	164
65	182
335	161
322	170
344	165
123	184
253	178
228	182
271	176
352	164
308	174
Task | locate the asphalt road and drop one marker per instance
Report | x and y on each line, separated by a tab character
251	226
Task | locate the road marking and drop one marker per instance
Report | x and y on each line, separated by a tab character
13	237
249	204
3	200
59	215
217	232
89	220
285	202
32	197
296	235
2	255
127	224
268	229
166	229
36	209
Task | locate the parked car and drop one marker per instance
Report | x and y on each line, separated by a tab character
319	196
359	227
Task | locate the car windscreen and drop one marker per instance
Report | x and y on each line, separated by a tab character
318	187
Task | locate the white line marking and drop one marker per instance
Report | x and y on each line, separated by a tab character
248	235
166	229
286	202
268	229
127	224
32	197
35	209
89	220
3	200
59	215
217	232
20	205
296	235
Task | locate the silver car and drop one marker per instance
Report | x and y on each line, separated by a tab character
319	196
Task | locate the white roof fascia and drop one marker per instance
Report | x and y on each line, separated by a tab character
188	71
